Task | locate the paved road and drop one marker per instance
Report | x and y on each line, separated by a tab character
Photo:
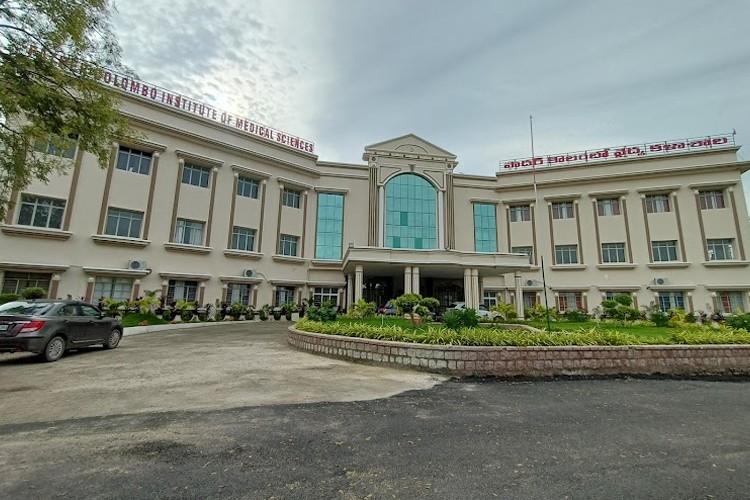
596	439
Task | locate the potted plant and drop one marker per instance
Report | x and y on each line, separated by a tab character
290	309
263	313
277	313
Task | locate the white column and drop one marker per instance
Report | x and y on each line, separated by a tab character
441	229
407	279
475	288
381	216
349	291
358	282
519	296
415	279
467	287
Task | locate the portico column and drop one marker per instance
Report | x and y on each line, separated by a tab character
407	279
358	281
475	288
519	295
415	280
467	287
349	291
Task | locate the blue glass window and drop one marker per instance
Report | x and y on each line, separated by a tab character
485	229
330	226
410	213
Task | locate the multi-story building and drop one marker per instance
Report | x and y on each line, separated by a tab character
207	206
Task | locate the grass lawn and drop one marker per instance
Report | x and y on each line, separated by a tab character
133	319
385	321
647	332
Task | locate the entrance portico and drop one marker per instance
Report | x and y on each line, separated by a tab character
380	274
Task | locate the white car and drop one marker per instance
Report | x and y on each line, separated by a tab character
482	311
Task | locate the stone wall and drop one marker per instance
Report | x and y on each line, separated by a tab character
533	361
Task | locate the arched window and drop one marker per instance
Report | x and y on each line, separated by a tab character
410	213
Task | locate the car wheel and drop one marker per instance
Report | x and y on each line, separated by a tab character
113	340
55	349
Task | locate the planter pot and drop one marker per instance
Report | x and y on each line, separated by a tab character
295	316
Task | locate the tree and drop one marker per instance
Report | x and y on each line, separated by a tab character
51	55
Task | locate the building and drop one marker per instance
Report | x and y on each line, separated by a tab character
208	206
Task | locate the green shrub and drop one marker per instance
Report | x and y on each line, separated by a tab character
34	292
326	312
576	315
737	321
8	297
539	312
363	309
659	318
505	311
718	335
263	313
457	319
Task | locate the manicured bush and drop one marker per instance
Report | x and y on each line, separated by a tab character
659	318
504	311
8	297
326	312
363	309
736	321
34	292
576	315
457	319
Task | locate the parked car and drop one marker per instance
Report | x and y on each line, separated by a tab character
51	327
389	309
482	311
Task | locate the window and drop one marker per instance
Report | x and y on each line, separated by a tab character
89	311
569	301
527	250
664	251
657	203
410	213
284	294
485	228
520	213
529	299
288	245
290	198
608	207
671	300
243	238
566	254
247	187
182	290
133	160
720	249
562	210
325	294
711	200
41	212
613	252
489	299
195	175
329	230
123	223
238	292
611	295
58	146
16	282
113	288
189	232
731	302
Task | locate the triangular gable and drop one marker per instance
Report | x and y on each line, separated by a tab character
410	144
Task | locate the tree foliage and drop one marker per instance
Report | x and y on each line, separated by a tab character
51	55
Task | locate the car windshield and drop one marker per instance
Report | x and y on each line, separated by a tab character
26	308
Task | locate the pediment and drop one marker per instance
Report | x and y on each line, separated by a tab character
410	144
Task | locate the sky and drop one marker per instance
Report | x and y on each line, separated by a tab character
464	75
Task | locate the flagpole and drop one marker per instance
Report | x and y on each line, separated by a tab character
536	202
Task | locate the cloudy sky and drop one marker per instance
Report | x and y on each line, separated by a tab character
464	75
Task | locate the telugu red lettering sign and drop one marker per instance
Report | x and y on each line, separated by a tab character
649	149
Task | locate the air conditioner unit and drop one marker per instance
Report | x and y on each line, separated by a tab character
248	273
137	265
660	281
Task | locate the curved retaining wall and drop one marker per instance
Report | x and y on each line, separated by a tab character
533	361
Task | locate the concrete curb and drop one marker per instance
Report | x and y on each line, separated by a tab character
137	330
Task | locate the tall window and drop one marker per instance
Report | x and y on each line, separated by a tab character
58	146
243	238
520	213
569	301
720	249
195	175
529	299
238	292
711	200
566	254
284	294
731	302
608	207
657	203
671	300
489	299
123	223
189	232
527	250
613	252
113	288
288	245
325	294
664	251
562	210
16	282
410	213
329	230
610	295
485	228
133	160
41	212
290	198
182	290
247	187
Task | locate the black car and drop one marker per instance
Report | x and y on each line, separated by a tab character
51	327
